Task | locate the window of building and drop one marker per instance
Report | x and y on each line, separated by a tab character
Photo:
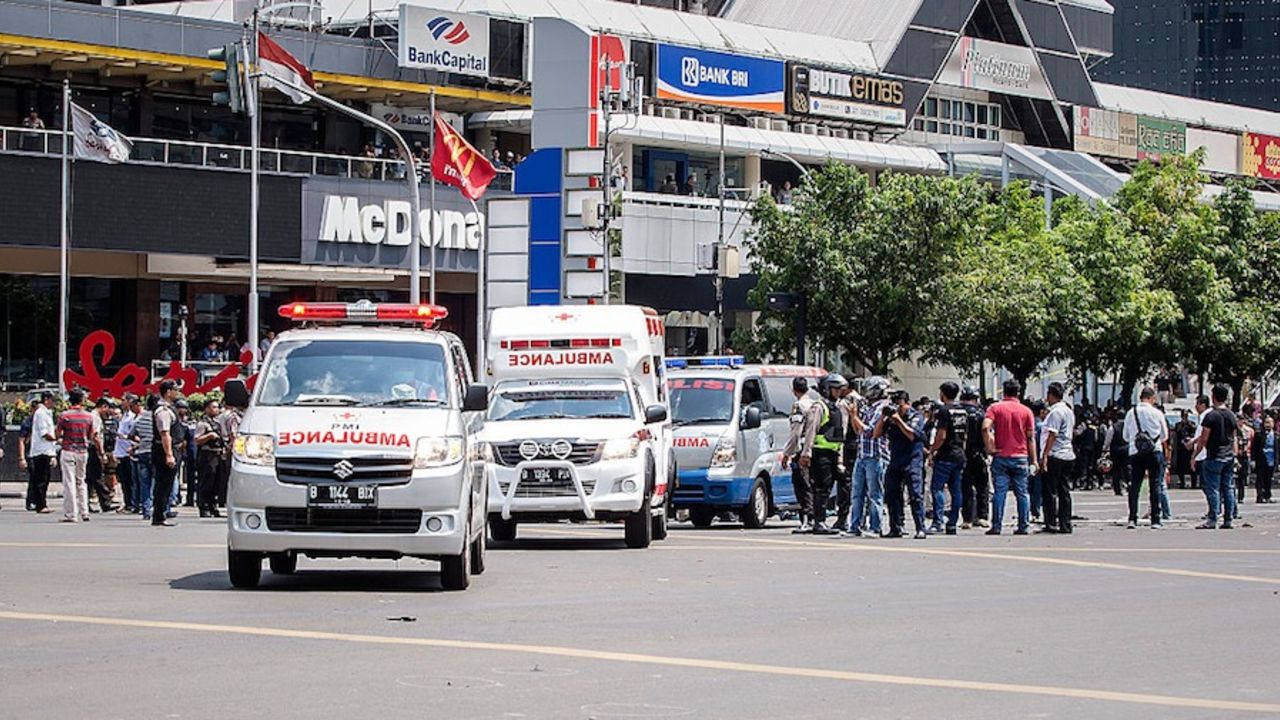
980	121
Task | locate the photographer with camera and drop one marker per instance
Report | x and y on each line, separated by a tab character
873	455
822	448
903	426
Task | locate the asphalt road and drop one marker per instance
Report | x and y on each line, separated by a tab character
115	619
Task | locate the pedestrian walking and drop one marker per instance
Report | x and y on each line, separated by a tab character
977	473
1264	458
903	426
75	432
123	453
800	408
95	475
1218	439
1147	433
1009	429
164	453
143	469
947	456
1057	460
24	449
821	454
44	449
873	455
211	444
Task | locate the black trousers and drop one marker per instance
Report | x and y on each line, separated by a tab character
1149	466
94	478
844	495
822	472
911	476
40	466
1057	494
1264	474
209	471
124	473
224	477
162	478
977	489
1119	472
1243	465
188	473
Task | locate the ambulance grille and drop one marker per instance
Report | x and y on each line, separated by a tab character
364	470
559	488
365	520
584	453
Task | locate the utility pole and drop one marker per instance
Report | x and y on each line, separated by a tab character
719	274
606	177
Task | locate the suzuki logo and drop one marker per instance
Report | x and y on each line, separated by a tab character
689	71
343	469
453	33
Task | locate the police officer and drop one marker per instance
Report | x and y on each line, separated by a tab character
795	445
977	475
823	447
165	454
903	425
848	459
211	446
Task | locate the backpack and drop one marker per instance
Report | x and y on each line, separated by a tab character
1143	443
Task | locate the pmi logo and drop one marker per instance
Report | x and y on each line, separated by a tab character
454	33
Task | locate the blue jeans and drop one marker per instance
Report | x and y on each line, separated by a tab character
947	476
142	480
1007	473
868	494
1219	489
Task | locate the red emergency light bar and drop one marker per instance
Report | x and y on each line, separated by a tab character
364	311
560	343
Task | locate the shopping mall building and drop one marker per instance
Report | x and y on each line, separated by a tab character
995	87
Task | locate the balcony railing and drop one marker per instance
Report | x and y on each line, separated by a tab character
185	153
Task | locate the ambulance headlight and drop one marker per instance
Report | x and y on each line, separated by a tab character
432	452
621	448
726	454
481	452
255	449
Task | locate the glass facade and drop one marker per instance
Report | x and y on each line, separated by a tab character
960	118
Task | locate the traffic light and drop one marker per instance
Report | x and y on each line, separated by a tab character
233	97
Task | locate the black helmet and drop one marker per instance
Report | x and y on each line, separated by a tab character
969	392
799	384
874	388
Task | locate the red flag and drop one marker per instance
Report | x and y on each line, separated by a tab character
456	163
275	61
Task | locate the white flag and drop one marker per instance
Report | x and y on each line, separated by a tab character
96	140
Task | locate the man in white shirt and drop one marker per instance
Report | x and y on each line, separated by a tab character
1198	458
44	451
1147	433
1057	459
123	453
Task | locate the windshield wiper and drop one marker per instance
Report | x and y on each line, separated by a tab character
700	421
548	416
326	400
394	402
611	416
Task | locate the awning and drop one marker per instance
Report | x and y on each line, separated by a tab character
812	149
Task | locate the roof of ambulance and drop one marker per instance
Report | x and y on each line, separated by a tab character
403	332
568	320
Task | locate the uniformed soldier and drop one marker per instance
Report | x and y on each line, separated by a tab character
795	445
211	446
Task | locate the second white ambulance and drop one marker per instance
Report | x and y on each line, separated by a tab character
578	425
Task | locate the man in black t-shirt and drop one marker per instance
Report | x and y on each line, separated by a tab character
947	454
1219	442
977	477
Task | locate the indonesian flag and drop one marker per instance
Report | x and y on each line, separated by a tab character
275	61
456	163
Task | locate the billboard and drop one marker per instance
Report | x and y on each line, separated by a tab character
856	97
447	42
715	78
1221	150
1106	132
995	67
1261	156
1157	138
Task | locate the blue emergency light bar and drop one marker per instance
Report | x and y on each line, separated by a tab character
727	361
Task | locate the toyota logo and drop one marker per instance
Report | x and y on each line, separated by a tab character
343	469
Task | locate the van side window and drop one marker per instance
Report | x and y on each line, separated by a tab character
460	369
751	392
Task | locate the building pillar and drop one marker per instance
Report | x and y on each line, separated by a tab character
751	171
143	339
484	141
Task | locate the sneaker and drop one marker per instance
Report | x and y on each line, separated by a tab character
921	535
822	529
1047	531
1226	526
804	528
982	523
993	531
67	520
1022	531
892	534
171	514
951	530
85	517
936	530
1132	525
851	534
966	525
1157	526
44	511
1206	526
164	523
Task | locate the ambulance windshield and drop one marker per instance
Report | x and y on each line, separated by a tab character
701	401
355	372
561	399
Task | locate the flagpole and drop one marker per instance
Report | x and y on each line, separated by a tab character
431	241
63	281
482	267
255	142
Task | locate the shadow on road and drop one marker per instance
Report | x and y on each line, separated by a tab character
385	581
574	544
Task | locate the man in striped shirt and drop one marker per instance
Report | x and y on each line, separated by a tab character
143	472
76	434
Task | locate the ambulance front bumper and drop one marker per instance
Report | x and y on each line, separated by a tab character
561	488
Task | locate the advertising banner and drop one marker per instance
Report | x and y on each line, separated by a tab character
1221	150
1106	132
716	78
995	67
448	42
1261	156
857	97
1157	138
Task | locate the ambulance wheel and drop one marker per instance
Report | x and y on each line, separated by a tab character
701	517
285	563
639	524
455	570
660	521
244	568
756	512
502	530
477	554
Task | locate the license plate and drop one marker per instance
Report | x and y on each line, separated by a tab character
539	476
342	496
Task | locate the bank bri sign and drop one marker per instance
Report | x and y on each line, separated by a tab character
715	78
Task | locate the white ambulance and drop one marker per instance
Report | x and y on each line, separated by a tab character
578	425
359	441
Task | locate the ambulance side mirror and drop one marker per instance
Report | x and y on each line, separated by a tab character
751	419
477	399
655	414
235	394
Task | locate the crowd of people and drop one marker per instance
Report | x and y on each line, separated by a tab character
953	462
139	456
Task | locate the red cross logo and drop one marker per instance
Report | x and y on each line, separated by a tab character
348	415
563	317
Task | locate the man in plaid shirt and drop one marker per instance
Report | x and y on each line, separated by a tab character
873	454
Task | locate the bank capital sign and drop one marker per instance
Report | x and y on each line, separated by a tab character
715	78
449	42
